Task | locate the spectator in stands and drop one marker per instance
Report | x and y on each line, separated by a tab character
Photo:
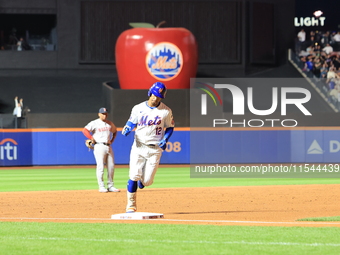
301	39
318	36
317	67
302	35
311	34
331	74
310	50
328	49
317	50
302	63
336	61
337	71
323	79
312	41
337	37
334	92
309	64
324	70
331	84
323	56
23	45
325	39
20	44
331	38
18	107
328	60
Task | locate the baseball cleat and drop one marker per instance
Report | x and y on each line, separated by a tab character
103	190
131	206
113	189
131	210
140	184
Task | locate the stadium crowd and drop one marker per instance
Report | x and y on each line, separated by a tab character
319	55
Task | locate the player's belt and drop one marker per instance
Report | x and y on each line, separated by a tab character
107	144
139	144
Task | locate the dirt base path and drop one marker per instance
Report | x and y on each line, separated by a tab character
247	205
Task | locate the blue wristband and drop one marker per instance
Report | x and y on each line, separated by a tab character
130	124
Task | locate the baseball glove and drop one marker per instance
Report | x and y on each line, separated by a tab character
89	144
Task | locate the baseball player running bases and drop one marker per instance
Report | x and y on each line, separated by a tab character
154	126
103	135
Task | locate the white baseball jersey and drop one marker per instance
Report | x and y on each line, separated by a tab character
151	122
101	131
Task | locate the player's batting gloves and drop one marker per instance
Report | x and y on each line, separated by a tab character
162	144
126	130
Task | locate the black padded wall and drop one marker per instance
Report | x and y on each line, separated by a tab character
226	31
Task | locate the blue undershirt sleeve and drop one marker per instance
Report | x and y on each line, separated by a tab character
130	124
168	132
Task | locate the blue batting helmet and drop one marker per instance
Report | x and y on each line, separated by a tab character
158	89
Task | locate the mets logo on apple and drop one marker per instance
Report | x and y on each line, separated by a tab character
164	61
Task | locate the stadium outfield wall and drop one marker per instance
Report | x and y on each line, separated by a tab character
40	147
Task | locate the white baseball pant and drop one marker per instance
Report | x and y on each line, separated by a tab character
144	161
104	155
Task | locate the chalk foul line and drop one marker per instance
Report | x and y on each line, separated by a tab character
170	241
183	220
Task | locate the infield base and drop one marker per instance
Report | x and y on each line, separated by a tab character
137	216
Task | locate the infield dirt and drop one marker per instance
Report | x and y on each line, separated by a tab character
247	205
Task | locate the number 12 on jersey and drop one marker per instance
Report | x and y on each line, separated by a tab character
158	130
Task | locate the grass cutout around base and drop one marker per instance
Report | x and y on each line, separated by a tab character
334	218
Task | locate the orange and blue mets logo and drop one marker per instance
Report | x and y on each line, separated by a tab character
8	149
164	61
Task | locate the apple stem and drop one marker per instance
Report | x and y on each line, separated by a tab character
161	23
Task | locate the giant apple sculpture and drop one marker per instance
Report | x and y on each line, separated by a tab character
145	55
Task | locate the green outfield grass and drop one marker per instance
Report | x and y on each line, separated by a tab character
71	239
61	178
18	238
